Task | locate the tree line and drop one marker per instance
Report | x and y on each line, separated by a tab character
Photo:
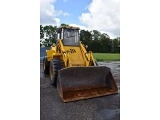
96	41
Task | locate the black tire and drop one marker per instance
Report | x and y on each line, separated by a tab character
55	65
46	65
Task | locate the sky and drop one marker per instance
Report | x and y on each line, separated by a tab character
101	15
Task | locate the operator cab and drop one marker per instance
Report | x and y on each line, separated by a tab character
69	36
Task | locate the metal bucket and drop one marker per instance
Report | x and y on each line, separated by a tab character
77	83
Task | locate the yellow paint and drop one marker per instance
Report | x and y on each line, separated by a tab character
71	55
75	56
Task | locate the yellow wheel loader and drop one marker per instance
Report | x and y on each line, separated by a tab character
74	71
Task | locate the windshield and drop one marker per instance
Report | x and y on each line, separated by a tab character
71	37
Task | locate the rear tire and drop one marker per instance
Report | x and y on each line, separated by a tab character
55	65
45	66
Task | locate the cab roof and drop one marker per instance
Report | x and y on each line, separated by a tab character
70	27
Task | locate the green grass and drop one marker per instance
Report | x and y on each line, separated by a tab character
107	56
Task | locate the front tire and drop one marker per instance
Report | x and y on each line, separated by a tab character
55	65
45	66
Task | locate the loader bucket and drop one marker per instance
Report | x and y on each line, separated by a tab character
77	83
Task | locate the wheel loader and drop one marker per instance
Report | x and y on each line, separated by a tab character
74	71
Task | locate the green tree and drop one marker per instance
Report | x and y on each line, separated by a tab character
116	45
96	35
96	46
85	37
41	34
95	41
50	33
106	42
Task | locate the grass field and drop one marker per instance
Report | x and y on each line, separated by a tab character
107	56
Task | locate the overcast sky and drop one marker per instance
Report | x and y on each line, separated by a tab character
101	15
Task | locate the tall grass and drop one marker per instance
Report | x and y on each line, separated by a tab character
107	56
